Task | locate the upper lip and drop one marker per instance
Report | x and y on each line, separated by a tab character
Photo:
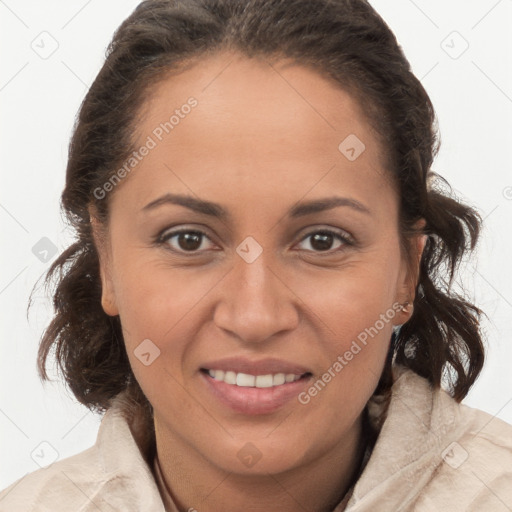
260	367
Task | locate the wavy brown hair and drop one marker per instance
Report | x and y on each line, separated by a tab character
345	41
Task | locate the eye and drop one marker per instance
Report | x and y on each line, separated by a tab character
323	240
194	241
184	240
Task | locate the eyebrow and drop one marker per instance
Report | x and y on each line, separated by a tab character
300	209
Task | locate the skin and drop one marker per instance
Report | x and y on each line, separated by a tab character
260	139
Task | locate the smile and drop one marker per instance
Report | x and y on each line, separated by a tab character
253	381
249	394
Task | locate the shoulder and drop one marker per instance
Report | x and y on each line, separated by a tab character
433	453
474	472
111	475
60	484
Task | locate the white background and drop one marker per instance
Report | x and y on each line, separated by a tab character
40	96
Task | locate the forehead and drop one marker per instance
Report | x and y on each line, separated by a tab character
258	95
229	120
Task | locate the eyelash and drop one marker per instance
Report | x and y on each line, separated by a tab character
164	237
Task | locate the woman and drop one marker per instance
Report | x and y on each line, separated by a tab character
259	293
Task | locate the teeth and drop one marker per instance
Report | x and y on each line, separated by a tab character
230	377
279	378
251	381
245	380
264	381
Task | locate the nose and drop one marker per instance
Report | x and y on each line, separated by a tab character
256	302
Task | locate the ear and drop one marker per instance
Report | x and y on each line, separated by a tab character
102	244
409	274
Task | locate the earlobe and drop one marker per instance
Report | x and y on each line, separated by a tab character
411	275
108	301
418	242
421	241
405	311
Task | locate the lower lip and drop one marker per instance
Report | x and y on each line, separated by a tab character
252	400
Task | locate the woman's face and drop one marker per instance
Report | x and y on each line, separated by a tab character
288	263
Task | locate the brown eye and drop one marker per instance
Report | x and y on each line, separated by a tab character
323	241
189	241
184	240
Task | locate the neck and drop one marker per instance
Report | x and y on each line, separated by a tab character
194	482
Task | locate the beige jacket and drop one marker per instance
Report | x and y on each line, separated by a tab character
432	455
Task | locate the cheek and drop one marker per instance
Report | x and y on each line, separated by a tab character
355	308
159	303
360	322
349	299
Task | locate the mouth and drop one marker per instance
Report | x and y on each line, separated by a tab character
247	380
254	393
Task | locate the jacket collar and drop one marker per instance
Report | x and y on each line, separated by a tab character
420	424
122	447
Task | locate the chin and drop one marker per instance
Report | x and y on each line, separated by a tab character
263	456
